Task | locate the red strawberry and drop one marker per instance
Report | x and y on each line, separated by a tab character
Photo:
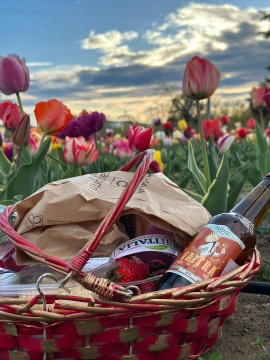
128	270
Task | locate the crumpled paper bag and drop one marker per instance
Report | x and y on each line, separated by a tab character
62	216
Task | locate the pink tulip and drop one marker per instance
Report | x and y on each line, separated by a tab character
257	98
52	116
79	151
251	123
201	79
139	138
10	114
122	149
14	75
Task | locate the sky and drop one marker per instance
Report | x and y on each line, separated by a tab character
127	57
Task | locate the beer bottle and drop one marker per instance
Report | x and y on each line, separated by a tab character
226	236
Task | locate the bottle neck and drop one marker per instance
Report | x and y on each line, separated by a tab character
256	204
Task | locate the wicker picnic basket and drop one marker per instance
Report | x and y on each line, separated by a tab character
169	324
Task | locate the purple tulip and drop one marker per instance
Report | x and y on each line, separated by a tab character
85	125
14	75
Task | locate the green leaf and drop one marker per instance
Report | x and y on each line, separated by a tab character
236	183
215	356
261	141
215	200
195	196
254	175
213	158
5	164
198	176
72	171
24	181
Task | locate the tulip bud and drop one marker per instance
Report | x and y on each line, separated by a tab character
14	75
257	98
21	135
164	156
201	79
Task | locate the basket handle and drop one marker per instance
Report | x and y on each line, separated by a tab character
74	270
145	158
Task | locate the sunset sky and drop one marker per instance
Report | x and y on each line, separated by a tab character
127	56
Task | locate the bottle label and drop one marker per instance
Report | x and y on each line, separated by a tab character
207	255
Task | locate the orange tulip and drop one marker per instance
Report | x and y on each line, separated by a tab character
201	79
52	116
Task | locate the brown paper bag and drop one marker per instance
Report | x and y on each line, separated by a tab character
62	217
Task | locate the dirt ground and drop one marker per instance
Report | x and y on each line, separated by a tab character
250	321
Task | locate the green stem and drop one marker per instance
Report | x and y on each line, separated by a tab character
98	159
261	119
57	160
42	138
20	104
208	108
203	146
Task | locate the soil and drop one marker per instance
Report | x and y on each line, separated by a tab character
250	321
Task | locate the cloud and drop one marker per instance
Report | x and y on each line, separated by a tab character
135	66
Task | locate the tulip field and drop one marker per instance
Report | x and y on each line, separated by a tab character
214	160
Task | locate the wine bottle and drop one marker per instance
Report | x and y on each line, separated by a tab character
227	236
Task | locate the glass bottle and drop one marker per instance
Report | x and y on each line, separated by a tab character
227	236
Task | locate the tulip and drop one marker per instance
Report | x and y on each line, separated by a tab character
242	133
156	122
14	75
10	114
225	120
182	124
266	98
224	142
79	151
201	79
167	125
157	164
21	135
188	133
8	150
52	116
257	98
251	123
139	138
85	125
212	128
122	149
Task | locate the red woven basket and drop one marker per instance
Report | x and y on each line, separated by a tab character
179	323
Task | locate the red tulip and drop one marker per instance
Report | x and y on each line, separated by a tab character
257	98
225	119
251	123
139	138
52	116
168	125
10	114
14	75
201	79
212	128
79	151
242	133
